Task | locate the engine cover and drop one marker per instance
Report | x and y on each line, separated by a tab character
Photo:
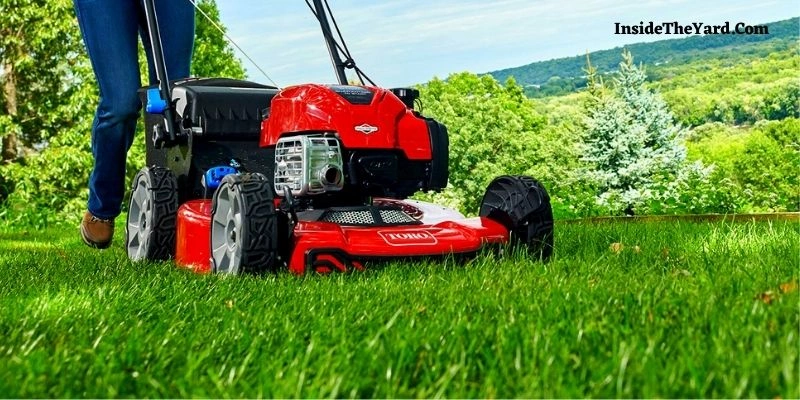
388	149
363	117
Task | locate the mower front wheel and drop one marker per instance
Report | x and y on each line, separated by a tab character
522	205
150	227
244	226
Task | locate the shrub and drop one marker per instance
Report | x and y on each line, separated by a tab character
756	168
696	190
785	133
767	170
51	187
494	130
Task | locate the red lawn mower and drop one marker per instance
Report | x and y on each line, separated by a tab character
244	177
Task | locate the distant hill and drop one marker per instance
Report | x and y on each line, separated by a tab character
563	75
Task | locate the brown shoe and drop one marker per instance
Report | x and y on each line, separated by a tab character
97	232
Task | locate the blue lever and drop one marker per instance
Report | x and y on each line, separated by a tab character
213	177
155	104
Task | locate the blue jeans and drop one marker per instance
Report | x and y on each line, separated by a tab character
111	30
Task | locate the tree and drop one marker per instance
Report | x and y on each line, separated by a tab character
40	49
55	101
493	130
631	145
213	55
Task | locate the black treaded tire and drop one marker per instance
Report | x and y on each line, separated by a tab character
522	205
244	226
152	212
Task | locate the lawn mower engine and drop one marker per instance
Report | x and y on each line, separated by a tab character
244	177
338	145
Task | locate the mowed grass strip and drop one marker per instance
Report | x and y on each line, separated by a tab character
623	310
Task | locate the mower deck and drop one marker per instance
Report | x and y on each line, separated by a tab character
326	246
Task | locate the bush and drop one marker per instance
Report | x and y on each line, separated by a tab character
783	101
50	188
578	200
768	169
494	130
756	168
707	131
696	190
785	133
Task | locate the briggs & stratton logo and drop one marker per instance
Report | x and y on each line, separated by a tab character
408	238
366	129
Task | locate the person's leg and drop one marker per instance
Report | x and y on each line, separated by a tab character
109	29
176	25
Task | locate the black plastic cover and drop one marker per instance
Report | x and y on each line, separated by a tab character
222	109
407	95
229	114
440	155
378	169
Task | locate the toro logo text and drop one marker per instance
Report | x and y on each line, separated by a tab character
408	238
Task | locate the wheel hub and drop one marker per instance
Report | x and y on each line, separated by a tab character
230	235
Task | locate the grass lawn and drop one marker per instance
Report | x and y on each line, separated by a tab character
675	309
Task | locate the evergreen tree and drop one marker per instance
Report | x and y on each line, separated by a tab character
631	145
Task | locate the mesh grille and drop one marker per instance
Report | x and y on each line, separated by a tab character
395	217
369	216
350	217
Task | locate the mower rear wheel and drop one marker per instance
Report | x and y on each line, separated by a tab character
150	227
522	205
244	226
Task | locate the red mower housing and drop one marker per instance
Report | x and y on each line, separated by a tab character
329	247
244	177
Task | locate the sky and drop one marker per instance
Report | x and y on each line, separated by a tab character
406	42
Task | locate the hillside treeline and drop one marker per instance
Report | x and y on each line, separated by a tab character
670	51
